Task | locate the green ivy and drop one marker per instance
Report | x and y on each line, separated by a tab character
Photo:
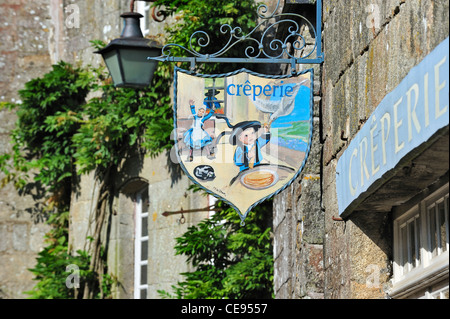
121	119
54	279
42	163
42	142
231	261
50	270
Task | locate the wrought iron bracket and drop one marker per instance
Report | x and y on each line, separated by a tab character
262	50
182	211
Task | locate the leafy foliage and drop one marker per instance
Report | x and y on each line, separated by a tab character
59	134
42	137
120	119
43	157
51	272
57	129
52	262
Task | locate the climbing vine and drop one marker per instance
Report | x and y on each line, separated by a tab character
231	261
60	135
41	163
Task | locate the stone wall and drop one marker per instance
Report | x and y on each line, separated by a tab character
35	35
369	47
297	211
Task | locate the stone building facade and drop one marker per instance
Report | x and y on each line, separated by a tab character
370	48
38	34
322	251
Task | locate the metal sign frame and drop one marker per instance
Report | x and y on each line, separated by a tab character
279	161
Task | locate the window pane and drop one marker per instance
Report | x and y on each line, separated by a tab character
442	227
404	246
412	244
432	231
144	231
143	293
447	208
143	275
418	241
144	250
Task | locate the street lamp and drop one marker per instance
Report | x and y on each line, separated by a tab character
126	57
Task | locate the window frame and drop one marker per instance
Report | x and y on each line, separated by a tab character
141	212
430	268
144	9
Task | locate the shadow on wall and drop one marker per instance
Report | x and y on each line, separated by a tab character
36	210
378	227
174	169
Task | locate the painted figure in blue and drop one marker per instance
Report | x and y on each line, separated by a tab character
196	137
248	151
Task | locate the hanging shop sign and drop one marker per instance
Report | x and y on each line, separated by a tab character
405	119
242	136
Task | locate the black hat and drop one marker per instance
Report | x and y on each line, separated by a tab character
212	92
242	126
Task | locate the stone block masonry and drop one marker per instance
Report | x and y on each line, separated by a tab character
369	47
24	55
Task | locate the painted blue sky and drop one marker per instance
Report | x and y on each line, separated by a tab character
301	110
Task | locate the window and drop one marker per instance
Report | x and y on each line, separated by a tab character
437	215
141	245
421	244
218	87
410	244
144	9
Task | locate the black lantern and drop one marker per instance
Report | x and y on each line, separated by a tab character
126	57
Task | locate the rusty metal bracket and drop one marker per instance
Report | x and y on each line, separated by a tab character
183	211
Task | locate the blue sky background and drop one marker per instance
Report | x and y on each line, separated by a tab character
301	110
